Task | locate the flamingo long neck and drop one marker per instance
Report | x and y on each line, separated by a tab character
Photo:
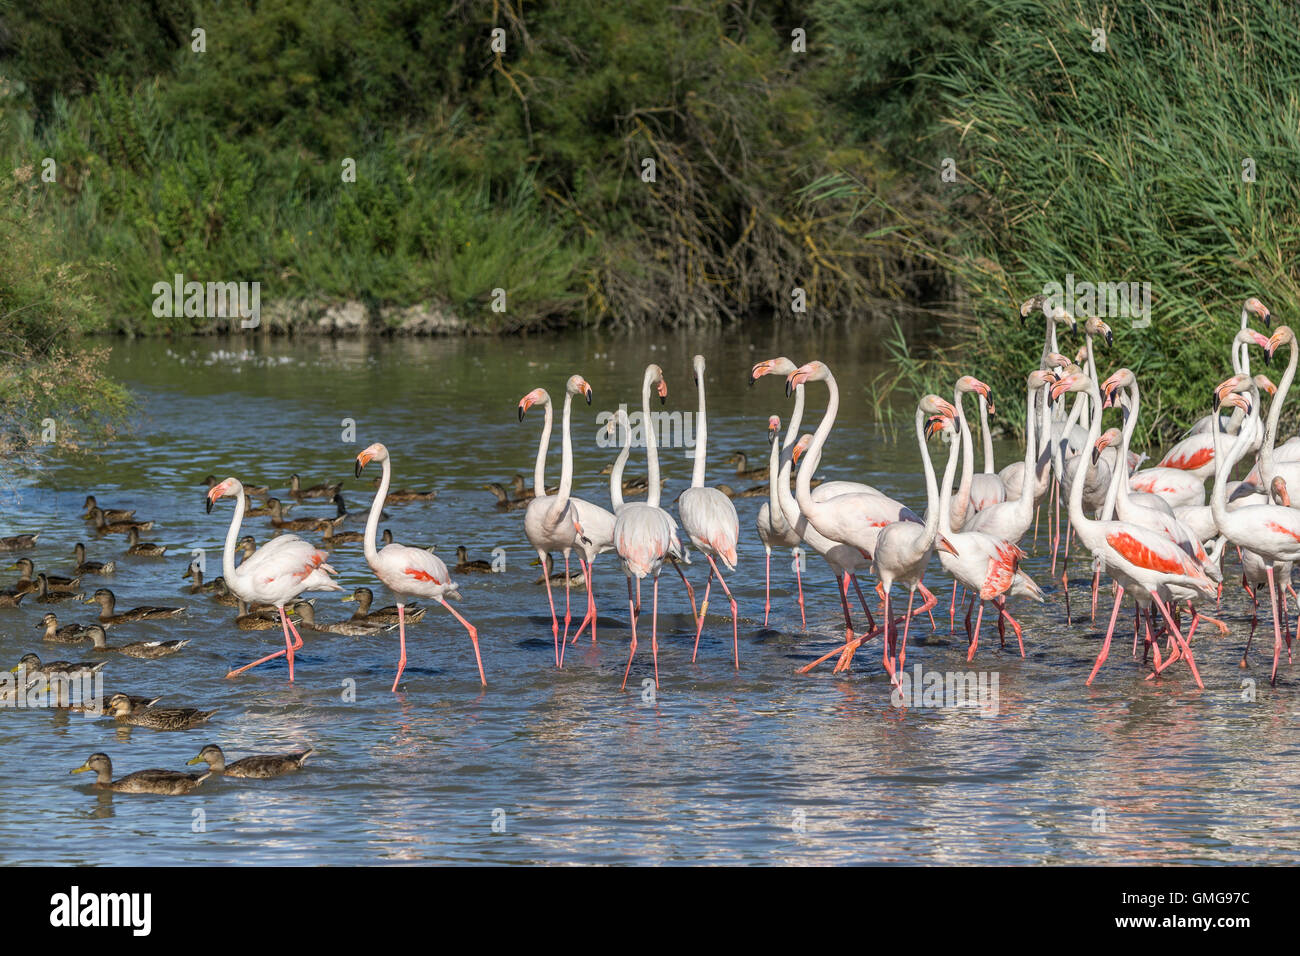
376	509
651	445
1223	465
931	486
796	419
1081	521
701	435
1028	480
539	467
775	517
945	490
1119	477
566	461
961	508
1266	465
803	487
616	476
986	436
1049	338
232	536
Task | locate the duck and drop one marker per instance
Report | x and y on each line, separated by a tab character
521	490
331	537
343	513
156	718
196	573
349	628
633	485
279	521
167	782
104	526
67	634
19	542
12	597
110	514
465	566
32	666
46	594
576	580
148	650
222	594
145	549
260	617
93	568
296	490
97	705
406	494
385	615
257	491
247	546
28	579
108	615
257	511
755	491
741	461
257	767
504	501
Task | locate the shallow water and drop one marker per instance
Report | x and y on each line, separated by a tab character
760	765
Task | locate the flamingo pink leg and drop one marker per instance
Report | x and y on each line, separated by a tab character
690	591
1110	631
401	636
907	623
473	636
555	623
704	609
568	617
1277	627
871	621
631	607
767	586
735	625
654	629
284	620
1178	637
798	577
590	617
1015	625
975	641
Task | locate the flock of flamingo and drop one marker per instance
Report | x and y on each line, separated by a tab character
1150	531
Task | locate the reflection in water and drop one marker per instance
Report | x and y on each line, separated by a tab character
757	766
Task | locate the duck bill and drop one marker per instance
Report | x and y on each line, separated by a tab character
82	769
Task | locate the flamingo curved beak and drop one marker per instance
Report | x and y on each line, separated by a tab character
363	459
933	425
943	544
215	492
663	392
586	391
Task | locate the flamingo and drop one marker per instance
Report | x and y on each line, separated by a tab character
976	491
552	522
274	574
773	530
1010	519
1249	307
645	535
709	519
987	488
1137	558
407	571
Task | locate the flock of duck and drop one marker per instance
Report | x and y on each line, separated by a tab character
1150	531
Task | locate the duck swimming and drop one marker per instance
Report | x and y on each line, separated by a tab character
27	578
406	494
46	593
169	782
557	579
261	617
258	767
296	490
148	650
278	519
12	597
67	634
104	526
349	628
465	566
385	615
98	705
198	587
31	664
331	537
504	501
110	514
108	615
156	718
147	549
90	567
19	542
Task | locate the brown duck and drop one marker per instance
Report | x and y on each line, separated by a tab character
110	514
296	490
104	526
406	494
167	782
109	615
257	767
385	615
148	650
90	567
156	718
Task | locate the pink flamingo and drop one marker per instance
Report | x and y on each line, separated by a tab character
275	573
709	519
773	530
551	522
407	571
645	535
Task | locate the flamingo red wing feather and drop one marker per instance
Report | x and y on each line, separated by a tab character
1189	461
421	575
1282	529
1002	570
1140	555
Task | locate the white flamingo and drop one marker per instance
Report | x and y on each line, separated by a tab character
773	530
274	574
407	571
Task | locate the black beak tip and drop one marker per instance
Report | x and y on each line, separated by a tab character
521	413
1110	339
663	400
207	505
1096	455
588	396
788	389
356	468
752	380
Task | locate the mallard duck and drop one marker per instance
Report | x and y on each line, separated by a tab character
257	491
90	567
296	490
149	650
557	580
97	705
104	526
725	489
504	501
28	580
261	617
465	566
741	461
633	485
19	542
45	593
169	782
67	634
259	767
349	628
387	538
385	615
755	491
222	594
247	546
199	587
108	615
331	537
257	511
406	494
31	664
145	549
343	512
279	521
12	597
110	514
156	718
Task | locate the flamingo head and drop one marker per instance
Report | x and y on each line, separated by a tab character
537	396
1124	378
1094	327
800	447
1282	336
1062	316
943	544
1057	360
1228	387
969	383
577	385
810	372
697	366
934	405
1073	381
1280	495
375	452
1265	384
654	375
230	486
1039	378
1108	437
1254	307
773	426
1031	304
777	366
936	424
